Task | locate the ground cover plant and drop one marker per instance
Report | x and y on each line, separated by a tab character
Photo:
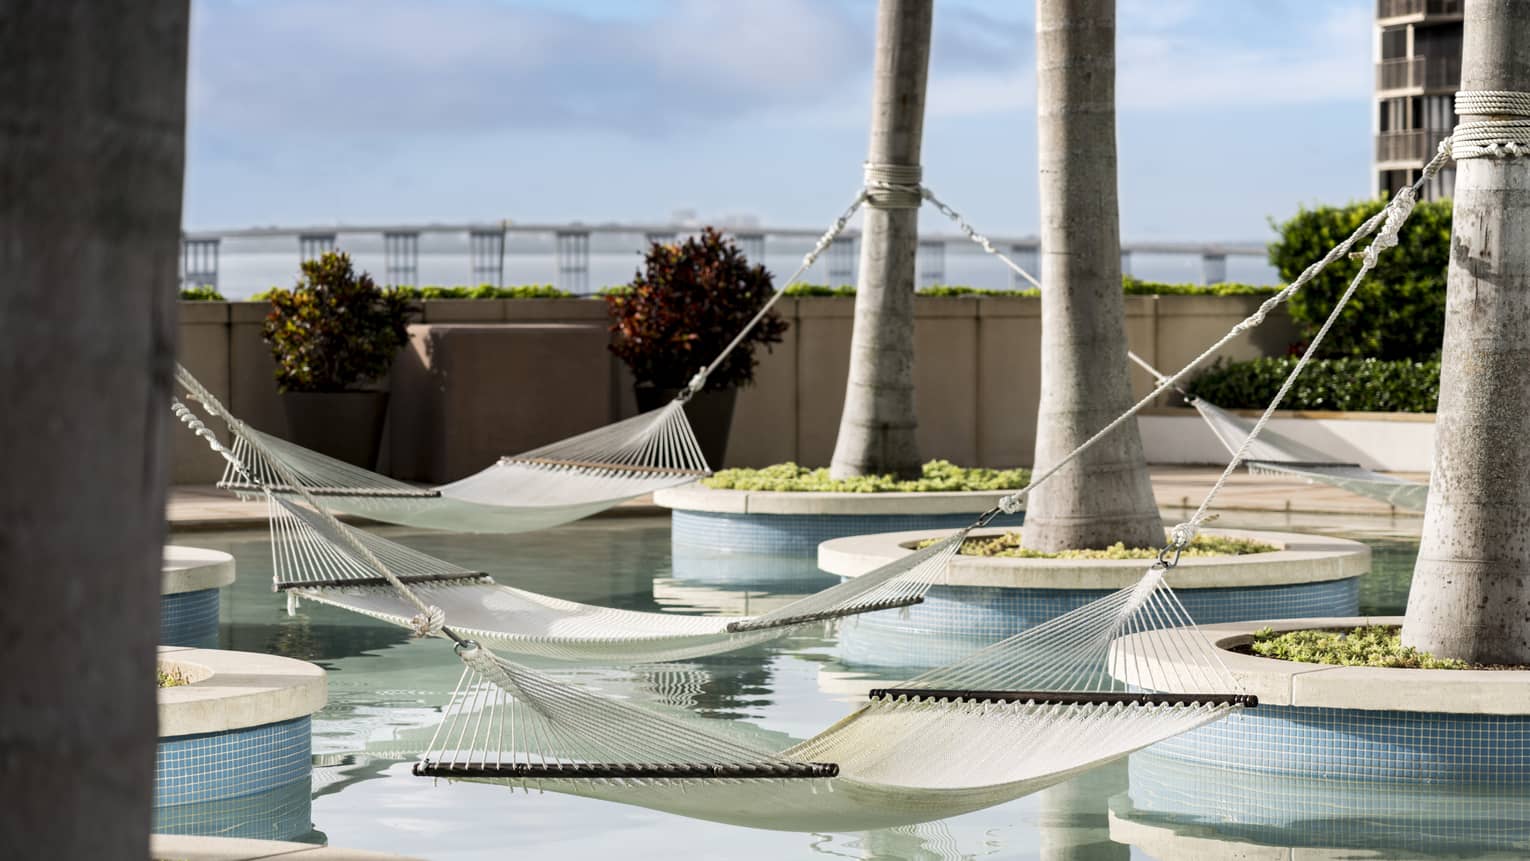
1008	546
171	677
1366	646
938	475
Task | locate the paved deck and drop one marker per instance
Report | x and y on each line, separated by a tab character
175	847
1177	487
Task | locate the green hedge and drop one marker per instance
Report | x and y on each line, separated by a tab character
1366	385
1399	312
204	293
1131	286
482	291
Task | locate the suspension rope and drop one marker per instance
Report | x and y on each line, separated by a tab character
1390	220
1397	212
699	381
1505	135
984	242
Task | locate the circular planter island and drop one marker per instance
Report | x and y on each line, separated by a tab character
794	523
235	744
1374	724
984	599
190	578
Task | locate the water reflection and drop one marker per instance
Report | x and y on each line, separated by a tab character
1198	810
386	692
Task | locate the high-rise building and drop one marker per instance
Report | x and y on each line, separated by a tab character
1418	68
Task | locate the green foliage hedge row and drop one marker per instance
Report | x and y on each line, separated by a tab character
1399	312
1369	385
482	291
1131	286
204	293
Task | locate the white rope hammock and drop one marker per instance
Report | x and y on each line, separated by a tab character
950	741
555	484
312	563
318	558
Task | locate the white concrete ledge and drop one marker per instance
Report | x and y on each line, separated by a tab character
234	690
179	847
194	569
1300	559
1390	442
695	497
1291	683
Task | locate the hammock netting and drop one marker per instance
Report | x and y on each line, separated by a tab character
1273	454
545	487
314	560
1009	720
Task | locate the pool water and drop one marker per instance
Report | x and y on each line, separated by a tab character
386	692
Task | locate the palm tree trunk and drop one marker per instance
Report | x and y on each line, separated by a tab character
1106	495
876	429
92	107
1470	597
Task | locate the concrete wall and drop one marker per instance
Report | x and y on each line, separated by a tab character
482	378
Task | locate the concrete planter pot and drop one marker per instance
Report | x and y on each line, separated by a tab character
985	599
792	524
190	578
347	426
1437	727
235	745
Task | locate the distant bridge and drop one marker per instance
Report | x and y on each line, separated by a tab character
485	247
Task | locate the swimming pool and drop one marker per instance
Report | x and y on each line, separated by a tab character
385	692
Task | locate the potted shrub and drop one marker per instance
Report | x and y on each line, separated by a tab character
682	308
334	336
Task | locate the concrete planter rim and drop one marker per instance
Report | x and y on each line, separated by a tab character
1293	683
699	498
235	690
1300	559
194	569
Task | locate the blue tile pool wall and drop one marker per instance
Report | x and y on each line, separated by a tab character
217	766
955	620
1286	810
283	813
189	619
800	534
1374	746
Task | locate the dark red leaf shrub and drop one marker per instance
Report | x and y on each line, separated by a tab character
689	300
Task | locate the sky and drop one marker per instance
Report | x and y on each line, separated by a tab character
316	112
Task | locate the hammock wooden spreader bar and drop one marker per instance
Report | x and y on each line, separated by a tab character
373	492
633	770
598	466
1066	698
383	582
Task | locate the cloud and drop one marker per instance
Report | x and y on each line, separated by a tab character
394	67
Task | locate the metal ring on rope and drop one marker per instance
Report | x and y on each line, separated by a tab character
1506	135
893	186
